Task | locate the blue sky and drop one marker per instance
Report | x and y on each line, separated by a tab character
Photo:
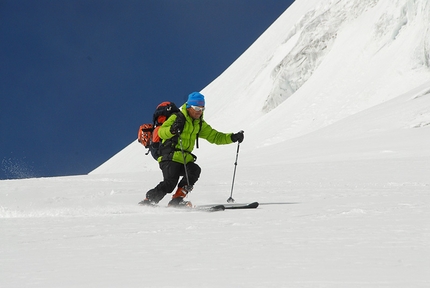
77	78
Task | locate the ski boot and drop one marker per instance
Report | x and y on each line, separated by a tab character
147	202
153	196
178	197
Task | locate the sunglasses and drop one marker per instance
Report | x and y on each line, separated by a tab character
197	108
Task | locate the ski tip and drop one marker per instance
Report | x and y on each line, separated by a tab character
253	205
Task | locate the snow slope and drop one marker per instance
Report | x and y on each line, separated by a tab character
337	59
335	101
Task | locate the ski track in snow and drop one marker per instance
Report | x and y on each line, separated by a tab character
322	225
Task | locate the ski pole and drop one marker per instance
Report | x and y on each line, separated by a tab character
230	199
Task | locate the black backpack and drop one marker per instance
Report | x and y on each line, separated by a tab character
147	134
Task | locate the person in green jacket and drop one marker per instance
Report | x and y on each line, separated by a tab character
179	134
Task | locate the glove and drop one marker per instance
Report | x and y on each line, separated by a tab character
178	125
237	137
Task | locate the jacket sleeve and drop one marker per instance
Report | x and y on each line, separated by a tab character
213	136
164	131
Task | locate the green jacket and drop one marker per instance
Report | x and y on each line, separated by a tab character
171	148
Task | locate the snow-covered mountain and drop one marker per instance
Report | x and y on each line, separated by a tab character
334	99
319	63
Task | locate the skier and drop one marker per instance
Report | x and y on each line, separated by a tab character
179	134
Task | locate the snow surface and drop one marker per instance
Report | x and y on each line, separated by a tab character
334	99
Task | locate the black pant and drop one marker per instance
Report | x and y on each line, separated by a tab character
172	171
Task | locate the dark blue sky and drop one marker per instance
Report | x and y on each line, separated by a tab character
77	78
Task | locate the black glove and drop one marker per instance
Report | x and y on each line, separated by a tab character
237	137
178	125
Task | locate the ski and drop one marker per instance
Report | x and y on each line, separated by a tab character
213	208
206	208
210	207
251	205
